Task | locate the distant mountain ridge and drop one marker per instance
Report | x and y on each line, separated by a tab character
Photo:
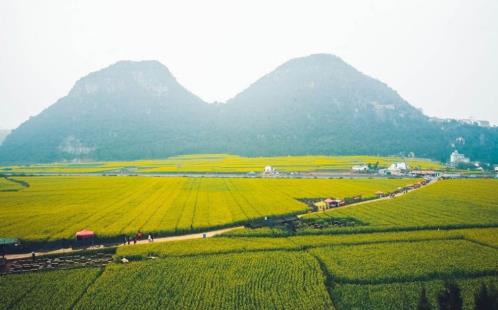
3	134
311	105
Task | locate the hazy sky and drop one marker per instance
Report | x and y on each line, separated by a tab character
441	56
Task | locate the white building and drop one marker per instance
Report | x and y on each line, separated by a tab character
269	170
457	158
401	167
360	168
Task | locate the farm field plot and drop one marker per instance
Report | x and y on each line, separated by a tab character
56	207
228	273
274	280
402	295
7	185
446	203
226	163
408	261
218	245
45	290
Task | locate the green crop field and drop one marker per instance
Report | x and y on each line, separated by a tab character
57	207
226	163
448	230
248	281
45	290
408	261
363	271
223	245
8	186
402	295
446	203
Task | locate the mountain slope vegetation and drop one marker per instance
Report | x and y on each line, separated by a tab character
312	105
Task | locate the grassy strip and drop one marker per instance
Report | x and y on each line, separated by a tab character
222	245
276	232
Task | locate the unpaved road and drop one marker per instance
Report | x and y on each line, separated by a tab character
201	235
373	200
207	234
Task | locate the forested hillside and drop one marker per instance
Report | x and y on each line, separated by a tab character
312	105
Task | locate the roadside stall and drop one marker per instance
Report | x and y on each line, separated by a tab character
85	237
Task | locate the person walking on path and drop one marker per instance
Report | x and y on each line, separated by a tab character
149	238
33	255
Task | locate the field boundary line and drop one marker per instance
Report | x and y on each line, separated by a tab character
329	282
479	242
85	291
17	300
431	276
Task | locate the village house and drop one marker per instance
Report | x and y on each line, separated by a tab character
457	158
360	168
397	168
269	170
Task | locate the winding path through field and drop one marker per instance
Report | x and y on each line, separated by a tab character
432	181
207	234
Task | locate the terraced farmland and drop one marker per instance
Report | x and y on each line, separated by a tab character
447	203
57	207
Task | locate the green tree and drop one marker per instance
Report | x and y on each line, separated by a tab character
493	295
482	299
486	298
423	301
450	298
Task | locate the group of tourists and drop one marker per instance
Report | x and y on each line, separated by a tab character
138	236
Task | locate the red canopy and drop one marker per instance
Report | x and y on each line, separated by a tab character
85	234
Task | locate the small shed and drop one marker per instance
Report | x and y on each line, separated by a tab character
380	194
328	201
85	234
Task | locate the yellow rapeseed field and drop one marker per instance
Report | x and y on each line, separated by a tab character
226	163
445	203
57	207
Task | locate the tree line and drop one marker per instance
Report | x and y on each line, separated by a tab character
450	298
